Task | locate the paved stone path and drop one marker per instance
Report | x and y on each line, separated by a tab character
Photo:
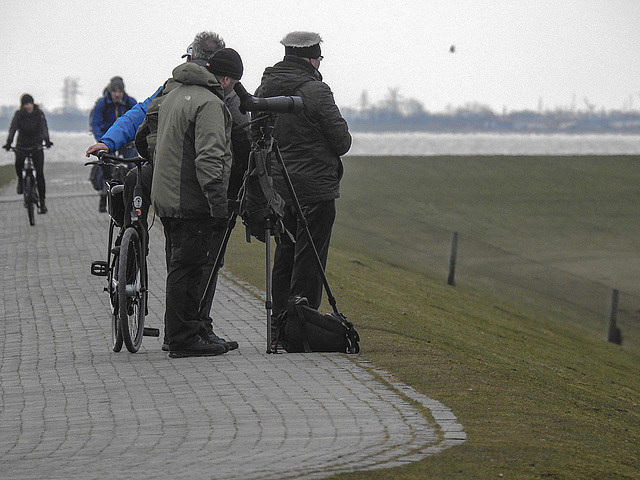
72	408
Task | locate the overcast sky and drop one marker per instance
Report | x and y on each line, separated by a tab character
509	54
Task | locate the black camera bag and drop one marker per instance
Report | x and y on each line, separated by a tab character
304	329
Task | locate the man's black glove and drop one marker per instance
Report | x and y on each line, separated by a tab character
48	144
7	146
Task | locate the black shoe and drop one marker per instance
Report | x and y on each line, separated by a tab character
102	206
19	189
230	344
199	348
43	208
165	347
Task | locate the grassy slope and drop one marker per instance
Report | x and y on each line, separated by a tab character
546	227
537	396
7	173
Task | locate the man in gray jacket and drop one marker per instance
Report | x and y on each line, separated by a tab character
189	190
311	143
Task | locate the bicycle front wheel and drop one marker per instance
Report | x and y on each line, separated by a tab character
131	290
28	190
112	289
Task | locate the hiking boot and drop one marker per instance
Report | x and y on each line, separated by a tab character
230	344
199	348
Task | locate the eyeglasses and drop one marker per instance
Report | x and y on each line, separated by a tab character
320	58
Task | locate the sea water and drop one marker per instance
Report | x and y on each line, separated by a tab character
411	144
70	146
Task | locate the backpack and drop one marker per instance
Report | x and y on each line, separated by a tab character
301	328
260	202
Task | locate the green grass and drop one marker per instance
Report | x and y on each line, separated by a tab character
7	173
559	231
538	397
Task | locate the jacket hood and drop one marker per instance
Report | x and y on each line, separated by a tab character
192	74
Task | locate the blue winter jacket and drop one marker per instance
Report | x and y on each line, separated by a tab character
125	127
105	112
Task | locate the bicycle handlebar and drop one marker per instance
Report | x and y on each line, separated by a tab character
102	156
28	151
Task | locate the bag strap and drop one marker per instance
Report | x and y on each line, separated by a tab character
352	335
293	306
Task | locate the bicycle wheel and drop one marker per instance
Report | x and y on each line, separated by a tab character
28	189
131	290
112	283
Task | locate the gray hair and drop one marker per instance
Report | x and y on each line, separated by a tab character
206	44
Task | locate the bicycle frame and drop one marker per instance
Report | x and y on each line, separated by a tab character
29	181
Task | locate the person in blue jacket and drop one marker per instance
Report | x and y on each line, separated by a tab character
113	104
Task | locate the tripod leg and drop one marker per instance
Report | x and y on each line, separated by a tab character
268	304
209	289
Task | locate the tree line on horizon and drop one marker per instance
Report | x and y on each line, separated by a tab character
395	114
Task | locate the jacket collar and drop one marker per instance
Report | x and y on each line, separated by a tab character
303	64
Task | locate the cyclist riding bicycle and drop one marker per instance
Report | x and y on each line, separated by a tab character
30	123
113	104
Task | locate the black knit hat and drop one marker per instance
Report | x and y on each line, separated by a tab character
226	63
26	98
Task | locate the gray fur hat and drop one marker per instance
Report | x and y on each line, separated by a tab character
302	44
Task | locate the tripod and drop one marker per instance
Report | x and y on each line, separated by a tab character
265	221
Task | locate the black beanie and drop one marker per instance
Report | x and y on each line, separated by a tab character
226	63
26	98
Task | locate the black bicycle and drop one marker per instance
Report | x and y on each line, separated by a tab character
126	264
29	182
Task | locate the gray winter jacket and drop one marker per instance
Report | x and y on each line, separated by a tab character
311	142
193	153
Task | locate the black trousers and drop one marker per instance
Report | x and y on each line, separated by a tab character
295	269
38	164
187	244
216	242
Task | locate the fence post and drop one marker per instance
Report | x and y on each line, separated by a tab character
452	259
614	335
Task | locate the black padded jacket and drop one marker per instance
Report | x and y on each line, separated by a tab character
312	141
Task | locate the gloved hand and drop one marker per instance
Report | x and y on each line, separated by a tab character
7	146
48	144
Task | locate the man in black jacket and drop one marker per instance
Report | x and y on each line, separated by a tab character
311	143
